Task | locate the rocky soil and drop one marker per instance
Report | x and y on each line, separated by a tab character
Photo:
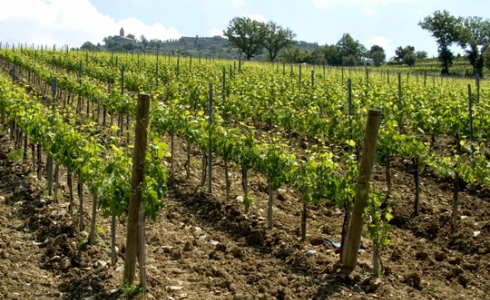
202	247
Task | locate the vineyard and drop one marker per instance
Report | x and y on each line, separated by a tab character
253	178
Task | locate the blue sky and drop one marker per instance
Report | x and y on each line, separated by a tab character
389	23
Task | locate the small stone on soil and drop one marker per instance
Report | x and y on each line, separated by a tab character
188	246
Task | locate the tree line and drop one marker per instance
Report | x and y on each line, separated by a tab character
270	41
470	33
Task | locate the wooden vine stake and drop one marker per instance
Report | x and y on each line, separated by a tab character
225	156
120	119
416	178
353	234
80	196
92	223
49	162
142	246
135	202
210	148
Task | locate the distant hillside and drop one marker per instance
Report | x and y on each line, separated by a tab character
216	46
205	47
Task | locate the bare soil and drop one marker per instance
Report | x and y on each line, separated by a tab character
202	247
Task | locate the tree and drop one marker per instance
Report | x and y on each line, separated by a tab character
347	47
477	35
378	57
421	54
377	53
88	46
332	55
410	59
401	52
291	55
446	29
277	38
486	55
376	48
144	42
349	60
479	30
247	35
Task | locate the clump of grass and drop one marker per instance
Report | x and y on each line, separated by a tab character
16	154
133	291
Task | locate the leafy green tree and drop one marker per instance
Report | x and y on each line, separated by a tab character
376	48
291	55
378	55
410	59
317	56
130	46
349	60
88	46
400	52
479	30
378	58
277	38
421	54
347	46
247	35
144	42
332	55
446	29
477	35
486	56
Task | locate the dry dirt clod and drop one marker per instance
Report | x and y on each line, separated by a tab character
413	280
188	246
176	254
439	256
421	255
316	241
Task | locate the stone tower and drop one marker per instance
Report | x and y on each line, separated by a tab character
121	32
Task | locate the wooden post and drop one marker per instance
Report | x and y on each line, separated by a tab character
156	74
49	163
210	149
353	236
417	185
225	154
70	189
477	88
139	153
312	79
113	239
142	246
80	196
56	181
120	119
349	103
39	162
454	224
92	225
269	211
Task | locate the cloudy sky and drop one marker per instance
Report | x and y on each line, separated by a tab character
389	23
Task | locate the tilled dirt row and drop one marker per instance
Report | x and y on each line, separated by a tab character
202	247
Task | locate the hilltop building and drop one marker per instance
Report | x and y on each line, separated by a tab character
124	39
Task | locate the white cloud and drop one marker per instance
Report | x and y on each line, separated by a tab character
67	22
380	41
358	2
383	42
370	11
238	2
259	18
